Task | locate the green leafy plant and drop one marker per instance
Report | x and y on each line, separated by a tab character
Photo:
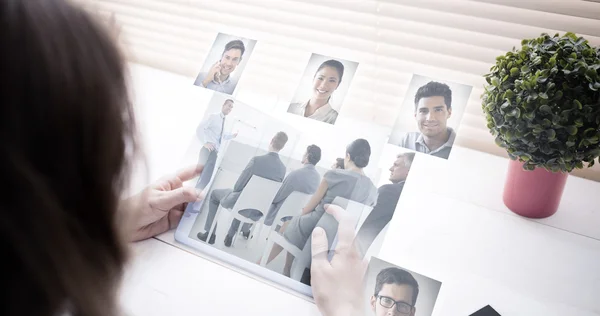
542	103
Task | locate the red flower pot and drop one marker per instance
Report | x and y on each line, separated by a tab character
533	194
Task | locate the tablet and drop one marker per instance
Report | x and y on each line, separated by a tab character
269	217
264	192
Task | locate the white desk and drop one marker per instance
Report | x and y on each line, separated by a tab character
450	225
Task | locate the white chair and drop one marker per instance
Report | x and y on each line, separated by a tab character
302	257
258	195
292	206
301	261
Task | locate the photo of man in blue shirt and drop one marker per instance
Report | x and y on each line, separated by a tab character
219	77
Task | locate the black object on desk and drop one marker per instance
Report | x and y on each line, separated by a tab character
486	311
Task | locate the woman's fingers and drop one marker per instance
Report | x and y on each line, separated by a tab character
345	227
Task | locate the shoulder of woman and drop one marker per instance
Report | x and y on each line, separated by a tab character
332	113
295	107
331	116
330	172
370	183
334	174
374	188
296	104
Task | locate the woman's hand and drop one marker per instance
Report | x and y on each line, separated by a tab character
338	285
159	207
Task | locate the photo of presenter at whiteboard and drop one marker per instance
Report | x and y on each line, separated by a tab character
322	89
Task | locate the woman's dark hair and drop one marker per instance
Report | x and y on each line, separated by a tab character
359	151
339	67
339	163
66	136
313	154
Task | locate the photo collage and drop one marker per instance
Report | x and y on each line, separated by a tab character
269	175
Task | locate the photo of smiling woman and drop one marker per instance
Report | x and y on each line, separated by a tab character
315	97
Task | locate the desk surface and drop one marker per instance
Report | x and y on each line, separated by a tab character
450	225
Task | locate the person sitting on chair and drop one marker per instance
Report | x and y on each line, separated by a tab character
387	199
268	166
350	183
304	180
339	164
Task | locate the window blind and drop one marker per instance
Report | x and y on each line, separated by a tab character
391	39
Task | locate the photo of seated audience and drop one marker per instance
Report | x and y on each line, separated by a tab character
303	180
268	166
266	197
430	115
392	290
269	182
348	183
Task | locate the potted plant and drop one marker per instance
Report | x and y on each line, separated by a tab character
542	103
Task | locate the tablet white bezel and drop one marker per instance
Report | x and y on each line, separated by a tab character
182	235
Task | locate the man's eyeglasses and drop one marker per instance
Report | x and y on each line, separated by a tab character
388	302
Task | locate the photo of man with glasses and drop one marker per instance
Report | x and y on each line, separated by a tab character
396	292
390	290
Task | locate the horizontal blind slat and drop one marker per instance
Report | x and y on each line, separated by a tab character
392	39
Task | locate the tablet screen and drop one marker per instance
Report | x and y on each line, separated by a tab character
266	185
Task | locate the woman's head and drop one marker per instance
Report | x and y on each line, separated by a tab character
338	164
66	132
358	153
327	79
313	155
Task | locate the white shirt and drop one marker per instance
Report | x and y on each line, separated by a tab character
209	131
324	114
